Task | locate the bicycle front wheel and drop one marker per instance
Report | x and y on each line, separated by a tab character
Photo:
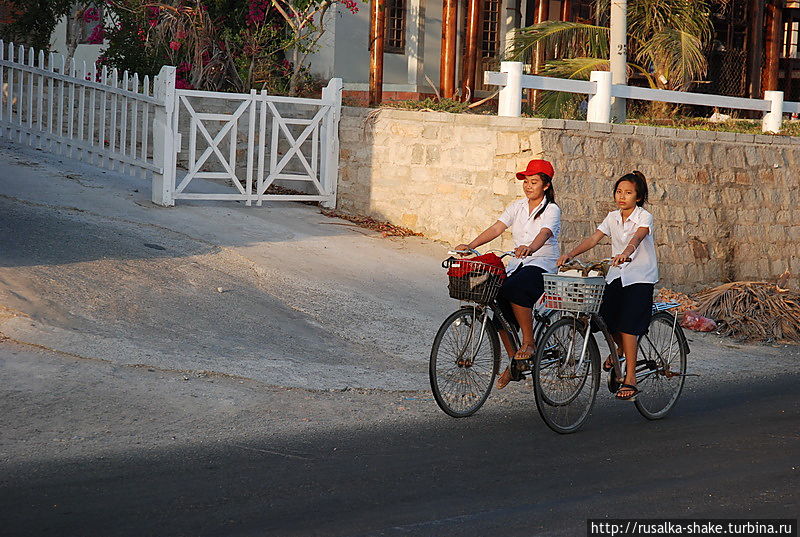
661	367
464	362
564	384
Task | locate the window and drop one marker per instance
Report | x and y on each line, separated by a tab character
395	37
490	36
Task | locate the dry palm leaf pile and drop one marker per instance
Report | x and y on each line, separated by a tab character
753	310
386	229
668	295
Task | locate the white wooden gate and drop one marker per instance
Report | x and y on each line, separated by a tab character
255	147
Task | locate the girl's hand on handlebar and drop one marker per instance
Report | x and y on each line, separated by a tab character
523	251
619	259
462	249
563	260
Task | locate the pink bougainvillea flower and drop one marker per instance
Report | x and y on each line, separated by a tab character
183	67
91	14
174	45
97	36
182	83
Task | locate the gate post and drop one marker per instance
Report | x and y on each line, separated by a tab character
599	110
773	120
164	155
329	165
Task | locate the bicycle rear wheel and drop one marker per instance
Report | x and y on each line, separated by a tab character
464	361
565	387
661	367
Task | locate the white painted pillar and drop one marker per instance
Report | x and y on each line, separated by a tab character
415	43
164	155
599	110
510	98
619	55
773	120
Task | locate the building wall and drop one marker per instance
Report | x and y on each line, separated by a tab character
726	206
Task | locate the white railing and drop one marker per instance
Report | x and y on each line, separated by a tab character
238	145
82	111
601	91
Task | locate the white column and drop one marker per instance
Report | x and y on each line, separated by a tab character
329	142
510	98
773	119
164	138
415	43
619	54
599	110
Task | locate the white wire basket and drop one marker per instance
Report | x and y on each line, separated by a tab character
578	294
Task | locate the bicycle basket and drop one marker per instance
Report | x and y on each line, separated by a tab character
573	293
473	281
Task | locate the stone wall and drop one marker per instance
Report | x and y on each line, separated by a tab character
725	205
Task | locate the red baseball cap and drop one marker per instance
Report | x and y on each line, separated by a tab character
537	166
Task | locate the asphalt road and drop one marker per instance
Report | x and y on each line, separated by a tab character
725	451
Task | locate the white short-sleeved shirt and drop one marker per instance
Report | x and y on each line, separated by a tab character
524	229
643	267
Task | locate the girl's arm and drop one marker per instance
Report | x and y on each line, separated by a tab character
587	244
637	238
527	249
489	234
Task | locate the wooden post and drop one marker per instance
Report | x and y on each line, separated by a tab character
447	66
542	14
472	47
755	47
769	78
566	10
377	29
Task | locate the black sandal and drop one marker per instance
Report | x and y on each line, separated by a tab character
627	387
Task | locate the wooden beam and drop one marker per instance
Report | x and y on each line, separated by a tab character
566	10
447	66
774	40
755	48
472	47
377	30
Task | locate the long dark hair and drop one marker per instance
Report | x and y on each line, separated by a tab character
549	194
638	180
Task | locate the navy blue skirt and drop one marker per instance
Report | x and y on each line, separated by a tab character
523	287
627	309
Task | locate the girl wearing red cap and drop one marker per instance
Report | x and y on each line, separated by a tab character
535	223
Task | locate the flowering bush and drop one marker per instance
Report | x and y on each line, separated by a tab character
221	45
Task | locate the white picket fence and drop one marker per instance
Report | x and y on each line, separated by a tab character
128	123
81	111
601	91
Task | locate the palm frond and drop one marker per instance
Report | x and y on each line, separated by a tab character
560	39
574	68
675	54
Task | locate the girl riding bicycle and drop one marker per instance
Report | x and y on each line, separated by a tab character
535	223
628	296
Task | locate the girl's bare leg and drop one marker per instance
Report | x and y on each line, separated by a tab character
525	320
630	346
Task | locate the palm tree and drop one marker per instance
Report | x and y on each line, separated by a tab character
666	40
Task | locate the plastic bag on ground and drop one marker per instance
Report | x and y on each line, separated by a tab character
692	320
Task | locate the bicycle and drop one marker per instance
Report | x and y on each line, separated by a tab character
566	369
466	355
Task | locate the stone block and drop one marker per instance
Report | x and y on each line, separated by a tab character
764	138
507	143
430	132
745	138
726	136
501	186
623	129
431	155
644	130
600	127
707	135
574	124
558	124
